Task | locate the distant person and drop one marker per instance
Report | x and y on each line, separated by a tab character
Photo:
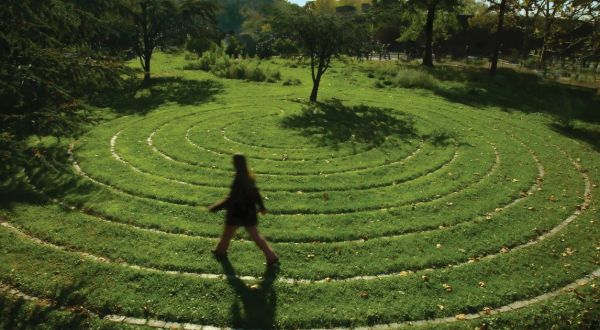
241	211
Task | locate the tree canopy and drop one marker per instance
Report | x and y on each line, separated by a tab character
319	36
164	23
52	55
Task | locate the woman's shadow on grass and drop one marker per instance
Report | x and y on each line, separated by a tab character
254	306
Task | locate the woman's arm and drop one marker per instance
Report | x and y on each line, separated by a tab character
258	199
218	206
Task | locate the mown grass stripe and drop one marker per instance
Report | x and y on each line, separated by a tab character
165	324
584	206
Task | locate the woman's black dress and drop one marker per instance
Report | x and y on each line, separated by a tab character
241	205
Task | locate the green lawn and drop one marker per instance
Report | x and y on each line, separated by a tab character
387	204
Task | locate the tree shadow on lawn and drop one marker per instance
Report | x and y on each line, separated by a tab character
134	98
583	134
255	307
18	313
517	91
332	123
51	171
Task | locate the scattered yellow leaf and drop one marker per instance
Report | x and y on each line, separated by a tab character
568	252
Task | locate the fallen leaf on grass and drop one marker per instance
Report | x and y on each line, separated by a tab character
481	284
568	252
448	287
440	307
504	249
461	317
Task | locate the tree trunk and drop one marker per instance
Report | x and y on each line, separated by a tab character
147	59
525	45
547	26
147	47
315	89
542	60
498	38
428	55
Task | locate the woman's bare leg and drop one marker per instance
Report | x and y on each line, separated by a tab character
262	244
228	232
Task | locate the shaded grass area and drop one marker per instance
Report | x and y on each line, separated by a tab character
508	91
585	133
515	91
19	313
141	98
331	123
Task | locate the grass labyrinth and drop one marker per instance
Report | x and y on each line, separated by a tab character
406	208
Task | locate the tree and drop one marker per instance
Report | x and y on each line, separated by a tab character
319	36
419	18
431	6
163	23
50	60
502	7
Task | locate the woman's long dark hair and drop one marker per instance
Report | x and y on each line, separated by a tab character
243	176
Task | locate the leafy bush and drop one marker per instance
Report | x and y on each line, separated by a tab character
409	78
412	78
222	65
292	82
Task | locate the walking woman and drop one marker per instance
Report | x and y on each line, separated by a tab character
241	211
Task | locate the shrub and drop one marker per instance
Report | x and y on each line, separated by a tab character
221	65
412	78
292	82
256	74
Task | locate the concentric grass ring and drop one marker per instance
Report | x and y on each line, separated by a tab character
517	218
